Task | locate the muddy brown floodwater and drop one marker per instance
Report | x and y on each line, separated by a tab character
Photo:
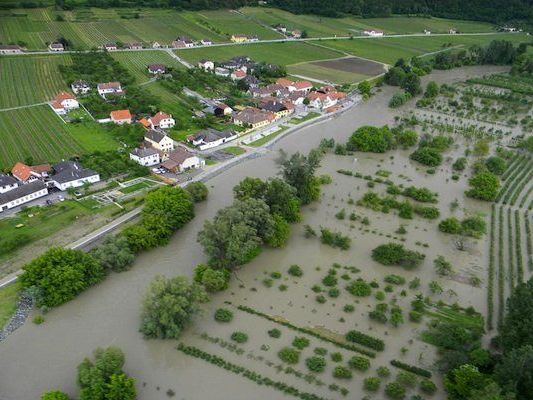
39	358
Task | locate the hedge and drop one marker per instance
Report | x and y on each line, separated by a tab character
365	340
411	368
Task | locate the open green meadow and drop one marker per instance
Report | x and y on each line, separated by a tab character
28	80
318	26
322	73
137	61
282	53
39	133
388	50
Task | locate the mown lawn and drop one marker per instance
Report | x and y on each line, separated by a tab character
388	50
136	62
282	53
28	80
325	74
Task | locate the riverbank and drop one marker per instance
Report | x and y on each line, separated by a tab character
37	358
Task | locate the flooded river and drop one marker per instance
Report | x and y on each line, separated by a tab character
39	358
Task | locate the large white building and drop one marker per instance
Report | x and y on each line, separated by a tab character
109	88
22	194
145	156
69	174
7	183
64	102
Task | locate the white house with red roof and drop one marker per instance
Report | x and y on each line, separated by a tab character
25	173
109	88
292	86
237	75
162	120
156	69
64	102
121	117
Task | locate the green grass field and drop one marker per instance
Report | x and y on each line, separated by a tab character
325	74
388	50
29	80
279	53
39	133
318	26
136	62
8	302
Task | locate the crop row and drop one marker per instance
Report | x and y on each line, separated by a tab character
490	284
512	167
517	186
501	269
245	372
529	244
525	197
510	250
519	168
308	332
411	368
518	238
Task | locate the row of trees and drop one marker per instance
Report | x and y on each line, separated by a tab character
380	140
61	274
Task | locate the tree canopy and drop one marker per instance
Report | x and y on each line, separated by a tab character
371	139
299	171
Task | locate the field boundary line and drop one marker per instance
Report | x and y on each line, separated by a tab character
22	107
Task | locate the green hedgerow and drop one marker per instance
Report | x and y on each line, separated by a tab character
295	270
395	391
427	386
359	288
342	372
359	363
372	384
321	351
300	342
349	308
315	363
289	355
223	315
334	292
274	333
336	357
383	372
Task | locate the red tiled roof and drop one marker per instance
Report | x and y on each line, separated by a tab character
119	115
56	105
239	73
300	85
284	82
64	96
144	122
23	172
109	85
156	119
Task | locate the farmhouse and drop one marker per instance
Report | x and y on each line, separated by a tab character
7	183
297	97
373	32
145	123
156	69
162	120
134	46
22	194
187	40
209	138
222	109
181	160
156	45
159	140
56	46
277	107
110	46
206	65
10	49
222	71
178	44
254	117
238	74
121	117
251	81
296	34
206	42
80	87
69	174
25	173
109	88
145	156
64	102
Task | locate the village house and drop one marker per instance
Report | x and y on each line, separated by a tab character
209	138
70	174
109	88
156	45
206	42
427	32
187	40
161	120
10	49
26	174
159	141
7	183
373	32
280	28
251	82
145	123
22	194
279	108
254	118
56	46
146	156
134	46
320	100
297	97
80	87
110	46
452	31
237	75
206	65
243	38
156	69
178	44
222	109
296	34
64	102
120	117
219	71
181	160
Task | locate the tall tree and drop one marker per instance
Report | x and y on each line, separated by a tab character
299	172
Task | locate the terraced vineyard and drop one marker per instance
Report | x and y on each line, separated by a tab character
510	235
30	80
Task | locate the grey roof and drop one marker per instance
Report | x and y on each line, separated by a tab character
68	171
212	135
154	135
80	83
144	152
250	79
21	191
274	106
6	180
